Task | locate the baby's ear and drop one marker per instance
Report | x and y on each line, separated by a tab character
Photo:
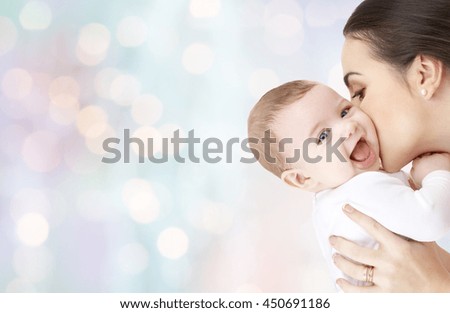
295	178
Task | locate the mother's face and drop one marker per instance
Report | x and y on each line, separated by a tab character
381	92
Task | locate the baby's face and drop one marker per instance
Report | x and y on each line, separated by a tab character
336	139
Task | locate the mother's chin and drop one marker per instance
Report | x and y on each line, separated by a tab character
394	160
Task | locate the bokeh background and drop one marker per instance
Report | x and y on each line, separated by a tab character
73	73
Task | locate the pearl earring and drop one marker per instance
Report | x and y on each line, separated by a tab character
423	92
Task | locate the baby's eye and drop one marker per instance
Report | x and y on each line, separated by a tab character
345	112
324	135
359	95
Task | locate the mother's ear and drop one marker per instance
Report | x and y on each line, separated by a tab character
295	178
427	74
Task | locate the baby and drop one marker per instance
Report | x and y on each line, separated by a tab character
322	143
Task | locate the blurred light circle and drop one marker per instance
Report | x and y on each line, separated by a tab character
321	13
141	200
204	8
146	110
32	229
144	208
125	89
173	243
103	81
284	46
64	100
89	59
65	85
197	58
252	14
40	151
20	285
132	31
94	39
32	264
261	81
17	83
133	186
133	258
92	121
95	144
283	25
145	133
8	35
35	15
283	22
64	92
291	7
29	200
283	33
36	103
64	109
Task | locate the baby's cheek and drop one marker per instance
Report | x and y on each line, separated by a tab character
338	172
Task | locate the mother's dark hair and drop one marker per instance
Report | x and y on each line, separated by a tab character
399	30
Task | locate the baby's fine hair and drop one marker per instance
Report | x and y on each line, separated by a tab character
262	118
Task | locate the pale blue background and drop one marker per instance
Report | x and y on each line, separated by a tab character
236	227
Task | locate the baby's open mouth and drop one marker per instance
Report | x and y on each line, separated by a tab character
362	154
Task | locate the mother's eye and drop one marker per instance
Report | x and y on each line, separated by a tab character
359	94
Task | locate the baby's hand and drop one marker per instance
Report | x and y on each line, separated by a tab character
427	163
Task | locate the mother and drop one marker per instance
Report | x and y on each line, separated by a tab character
396	61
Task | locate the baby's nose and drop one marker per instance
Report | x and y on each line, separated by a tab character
350	128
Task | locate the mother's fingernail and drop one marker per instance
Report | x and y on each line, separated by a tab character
334	256
347	208
332	240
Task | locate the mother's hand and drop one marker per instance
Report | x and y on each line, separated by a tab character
399	265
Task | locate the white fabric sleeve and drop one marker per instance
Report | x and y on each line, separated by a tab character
330	220
422	215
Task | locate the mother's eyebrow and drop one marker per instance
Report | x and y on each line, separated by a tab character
349	74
